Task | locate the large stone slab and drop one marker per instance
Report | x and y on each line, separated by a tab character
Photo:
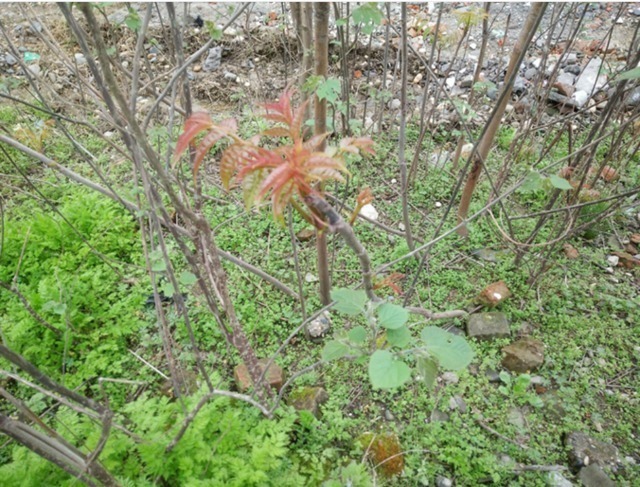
309	399
524	355
585	450
274	375
593	476
488	326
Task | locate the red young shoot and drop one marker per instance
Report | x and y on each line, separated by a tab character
287	173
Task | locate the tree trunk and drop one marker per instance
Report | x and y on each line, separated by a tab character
321	20
482	150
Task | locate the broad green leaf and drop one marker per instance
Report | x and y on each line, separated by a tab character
536	401
631	74
505	377
167	289
132	20
329	90
533	182
358	335
400	337
428	369
369	16
348	301
187	278
559	183
387	372
158	266
521	384
392	316
452	351
334	350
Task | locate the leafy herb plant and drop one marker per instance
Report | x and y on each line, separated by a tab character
389	344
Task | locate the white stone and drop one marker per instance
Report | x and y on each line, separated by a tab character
368	211
580	97
613	260
450	82
473	46
438	204
417	79
80	59
394	181
310	277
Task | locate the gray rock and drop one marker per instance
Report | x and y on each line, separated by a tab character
395	104
580	98
309	399
515	416
593	476
458	403
230	76
562	100
492	93
573	69
636	12
10	59
467	81
585	450
443	481
519	86
565	78
493	376
34	69
318	328
572	58
35	27
439	416
633	98
590	80
488	326
553	407
214	59
530	73
556	479
523	355
450	377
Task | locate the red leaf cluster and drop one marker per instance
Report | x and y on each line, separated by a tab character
282	173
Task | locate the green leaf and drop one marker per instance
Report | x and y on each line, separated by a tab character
132	20
392	316
631	74
452	351
329	90
369	16
400	337
312	83
167	289
533	182
428	369
159	266
187	278
505	377
559	183
334	350
358	335
387	372
348	301
214	31
521	384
